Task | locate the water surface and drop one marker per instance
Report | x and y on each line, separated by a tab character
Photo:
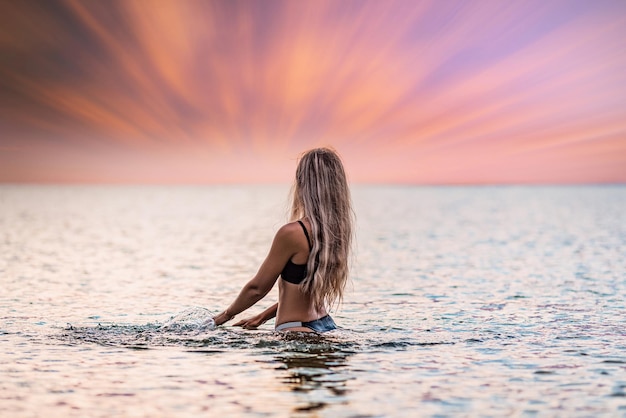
473	301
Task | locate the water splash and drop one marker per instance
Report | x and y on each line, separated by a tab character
192	319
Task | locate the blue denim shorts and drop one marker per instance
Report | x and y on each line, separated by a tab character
323	324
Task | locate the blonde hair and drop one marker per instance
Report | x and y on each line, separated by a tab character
320	193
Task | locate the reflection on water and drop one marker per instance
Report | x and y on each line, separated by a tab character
312	367
318	375
487	301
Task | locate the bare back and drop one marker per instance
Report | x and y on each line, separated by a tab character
293	304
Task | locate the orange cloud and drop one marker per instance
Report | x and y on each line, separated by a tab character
428	92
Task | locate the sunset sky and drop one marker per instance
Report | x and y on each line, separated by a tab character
413	92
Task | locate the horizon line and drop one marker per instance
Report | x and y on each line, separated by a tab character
270	183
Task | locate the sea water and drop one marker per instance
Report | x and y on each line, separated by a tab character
468	301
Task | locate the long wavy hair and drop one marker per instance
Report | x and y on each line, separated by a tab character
321	194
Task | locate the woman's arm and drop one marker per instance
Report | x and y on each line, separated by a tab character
283	248
248	296
270	312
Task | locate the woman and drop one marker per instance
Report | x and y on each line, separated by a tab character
310	254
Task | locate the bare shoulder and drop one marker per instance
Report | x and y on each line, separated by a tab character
289	232
291	235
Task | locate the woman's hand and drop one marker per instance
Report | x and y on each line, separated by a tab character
251	323
222	318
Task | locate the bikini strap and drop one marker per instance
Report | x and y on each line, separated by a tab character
306	234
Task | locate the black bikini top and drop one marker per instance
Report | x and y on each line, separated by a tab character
295	273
